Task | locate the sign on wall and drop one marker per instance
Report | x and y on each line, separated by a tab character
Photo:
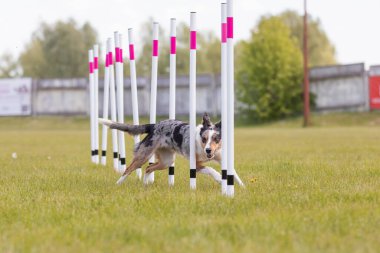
15	96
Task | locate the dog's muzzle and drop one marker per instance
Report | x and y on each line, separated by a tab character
208	153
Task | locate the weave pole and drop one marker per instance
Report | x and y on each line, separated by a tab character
113	106
192	99
230	100
96	101
224	95
153	92
121	67
172	93
91	95
106	95
120	100
135	104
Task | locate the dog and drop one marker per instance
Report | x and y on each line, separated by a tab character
168	137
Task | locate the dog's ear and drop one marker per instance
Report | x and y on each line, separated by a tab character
206	120
218	126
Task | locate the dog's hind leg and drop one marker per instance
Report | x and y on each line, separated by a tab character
136	163
151	168
164	158
141	156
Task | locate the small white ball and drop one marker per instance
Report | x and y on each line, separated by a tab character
14	155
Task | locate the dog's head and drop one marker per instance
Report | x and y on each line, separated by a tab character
211	136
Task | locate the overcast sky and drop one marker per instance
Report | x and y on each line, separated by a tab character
352	25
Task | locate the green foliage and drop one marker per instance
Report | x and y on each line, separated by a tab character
209	54
58	50
144	58
321	50
9	66
270	72
183	57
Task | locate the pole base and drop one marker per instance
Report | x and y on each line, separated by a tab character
193	183
230	191
224	186
171	180
116	164
103	160
96	159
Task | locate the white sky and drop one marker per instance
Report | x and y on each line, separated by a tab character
352	25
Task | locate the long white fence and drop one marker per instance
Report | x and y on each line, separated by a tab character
337	88
71	96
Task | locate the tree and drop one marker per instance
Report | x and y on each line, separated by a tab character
209	54
58	50
321	50
270	73
208	51
9	66
144	59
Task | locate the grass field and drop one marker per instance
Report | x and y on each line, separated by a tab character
308	190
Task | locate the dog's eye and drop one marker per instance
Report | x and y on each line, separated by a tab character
204	139
217	139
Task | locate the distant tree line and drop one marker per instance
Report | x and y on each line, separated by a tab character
268	64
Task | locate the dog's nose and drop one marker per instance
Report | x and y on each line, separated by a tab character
208	150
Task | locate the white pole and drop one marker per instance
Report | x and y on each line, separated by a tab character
96	101
135	105
121	64
91	90
120	100
113	106
224	96
172	93
153	90
230	100
192	99
106	95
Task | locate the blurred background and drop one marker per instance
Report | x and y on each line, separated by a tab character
43	55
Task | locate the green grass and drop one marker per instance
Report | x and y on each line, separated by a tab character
308	190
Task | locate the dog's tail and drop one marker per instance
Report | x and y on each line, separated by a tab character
131	129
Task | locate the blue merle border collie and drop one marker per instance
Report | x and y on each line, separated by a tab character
168	137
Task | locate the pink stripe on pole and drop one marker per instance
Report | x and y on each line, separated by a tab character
91	67
121	55
95	62
155	48
193	40
117	52
230	27
173	45
131	52
106	60
224	32
110	60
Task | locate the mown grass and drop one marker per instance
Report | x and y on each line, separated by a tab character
308	190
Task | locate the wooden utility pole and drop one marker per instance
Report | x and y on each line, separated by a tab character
306	98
